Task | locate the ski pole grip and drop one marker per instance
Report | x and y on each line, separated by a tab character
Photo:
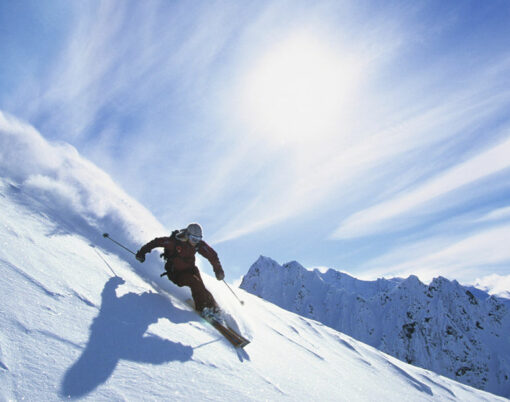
107	236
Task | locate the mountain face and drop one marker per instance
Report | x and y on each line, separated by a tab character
460	332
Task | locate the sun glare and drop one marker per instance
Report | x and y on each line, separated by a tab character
297	90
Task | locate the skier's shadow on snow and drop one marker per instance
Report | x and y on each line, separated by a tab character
118	333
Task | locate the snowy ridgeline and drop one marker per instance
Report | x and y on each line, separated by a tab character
462	333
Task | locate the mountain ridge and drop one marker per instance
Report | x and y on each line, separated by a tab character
442	326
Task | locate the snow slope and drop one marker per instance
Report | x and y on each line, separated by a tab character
456	331
81	318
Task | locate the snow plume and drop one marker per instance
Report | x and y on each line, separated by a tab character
55	179
495	284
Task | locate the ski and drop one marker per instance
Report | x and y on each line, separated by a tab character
237	340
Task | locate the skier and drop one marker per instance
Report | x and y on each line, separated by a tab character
179	252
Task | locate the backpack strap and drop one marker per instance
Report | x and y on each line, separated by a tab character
166	257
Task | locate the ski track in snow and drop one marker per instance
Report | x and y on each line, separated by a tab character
34	282
275	387
3	366
298	344
347	345
45	333
437	384
412	381
83	299
311	327
358	355
58	338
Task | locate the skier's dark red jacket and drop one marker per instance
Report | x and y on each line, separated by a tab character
180	255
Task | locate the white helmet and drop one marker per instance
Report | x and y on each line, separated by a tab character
194	233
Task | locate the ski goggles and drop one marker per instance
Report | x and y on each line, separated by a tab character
194	239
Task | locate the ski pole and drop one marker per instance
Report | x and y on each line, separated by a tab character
240	301
107	236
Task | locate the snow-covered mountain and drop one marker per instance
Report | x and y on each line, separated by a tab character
81	318
460	332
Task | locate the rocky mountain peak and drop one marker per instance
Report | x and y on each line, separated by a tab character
457	331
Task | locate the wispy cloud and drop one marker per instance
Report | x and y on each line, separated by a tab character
461	259
303	153
494	284
374	137
323	169
118	57
379	217
496	215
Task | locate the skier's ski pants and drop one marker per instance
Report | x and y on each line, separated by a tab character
201	296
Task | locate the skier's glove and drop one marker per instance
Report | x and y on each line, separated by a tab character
140	256
220	275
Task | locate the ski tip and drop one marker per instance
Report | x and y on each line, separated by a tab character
242	345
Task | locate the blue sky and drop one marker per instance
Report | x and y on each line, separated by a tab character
367	137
